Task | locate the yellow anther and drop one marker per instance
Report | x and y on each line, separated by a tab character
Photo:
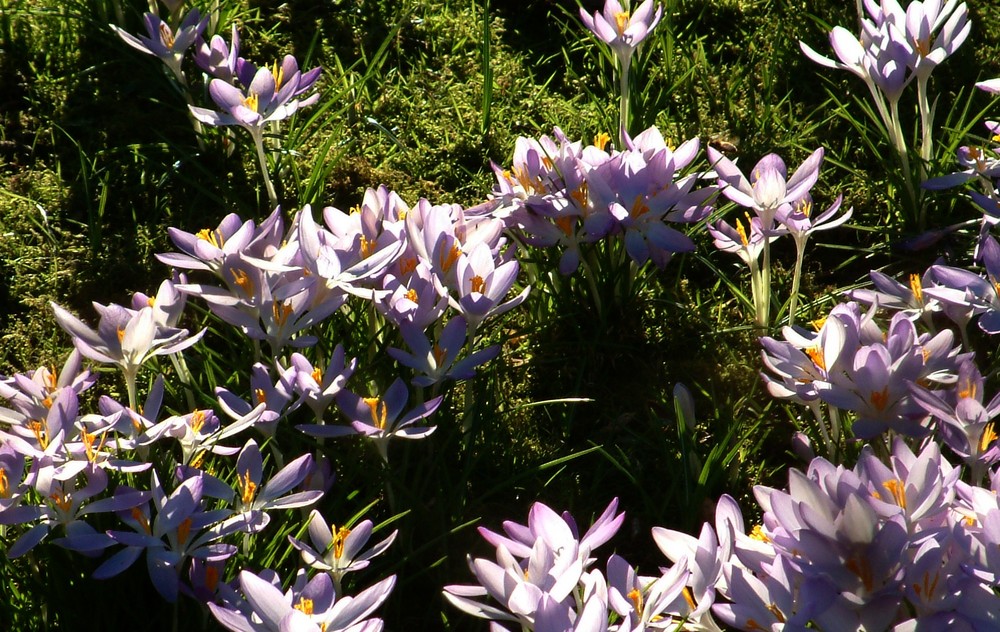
816	355
281	311
879	399
621	21
339	539
248	487
279	76
449	258
757	533
211	578
259	396
742	233
47	402
898	491
121	335
639	207
917	288
773	608
989	436
689	598
41	435
478	285
367	247
411	295
198	459
183	531
565	224
317	376
818	323
304	605
61	500
861	566
88	445
601	140
50	378
251	101
967	389
378	411
439	354
581	195
243	281
197	421
166	36
4	484
804	207
140	517
213	237
635	596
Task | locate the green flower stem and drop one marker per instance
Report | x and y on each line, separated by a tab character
793	302
258	141
623	107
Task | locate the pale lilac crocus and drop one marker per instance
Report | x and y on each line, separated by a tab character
255	497
623	30
309	606
379	418
161	41
339	550
798	218
270	96
125	337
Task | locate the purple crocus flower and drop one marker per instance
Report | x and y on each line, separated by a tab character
163	42
339	550
179	530
307	607
379	418
255	498
436	361
769	189
620	29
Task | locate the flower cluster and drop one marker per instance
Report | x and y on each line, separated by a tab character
543	579
561	193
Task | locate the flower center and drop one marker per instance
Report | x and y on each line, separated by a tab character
879	399
898	491
339	538
248	487
243	281
213	237
917	288
166	36
304	605
251	101
378	411
601	140
478	285
279	75
197	421
449	258
621	22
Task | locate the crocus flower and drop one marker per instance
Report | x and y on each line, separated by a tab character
620	29
265	99
307	607
163	42
179	530
255	498
769	188
339	550
379	418
436	361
